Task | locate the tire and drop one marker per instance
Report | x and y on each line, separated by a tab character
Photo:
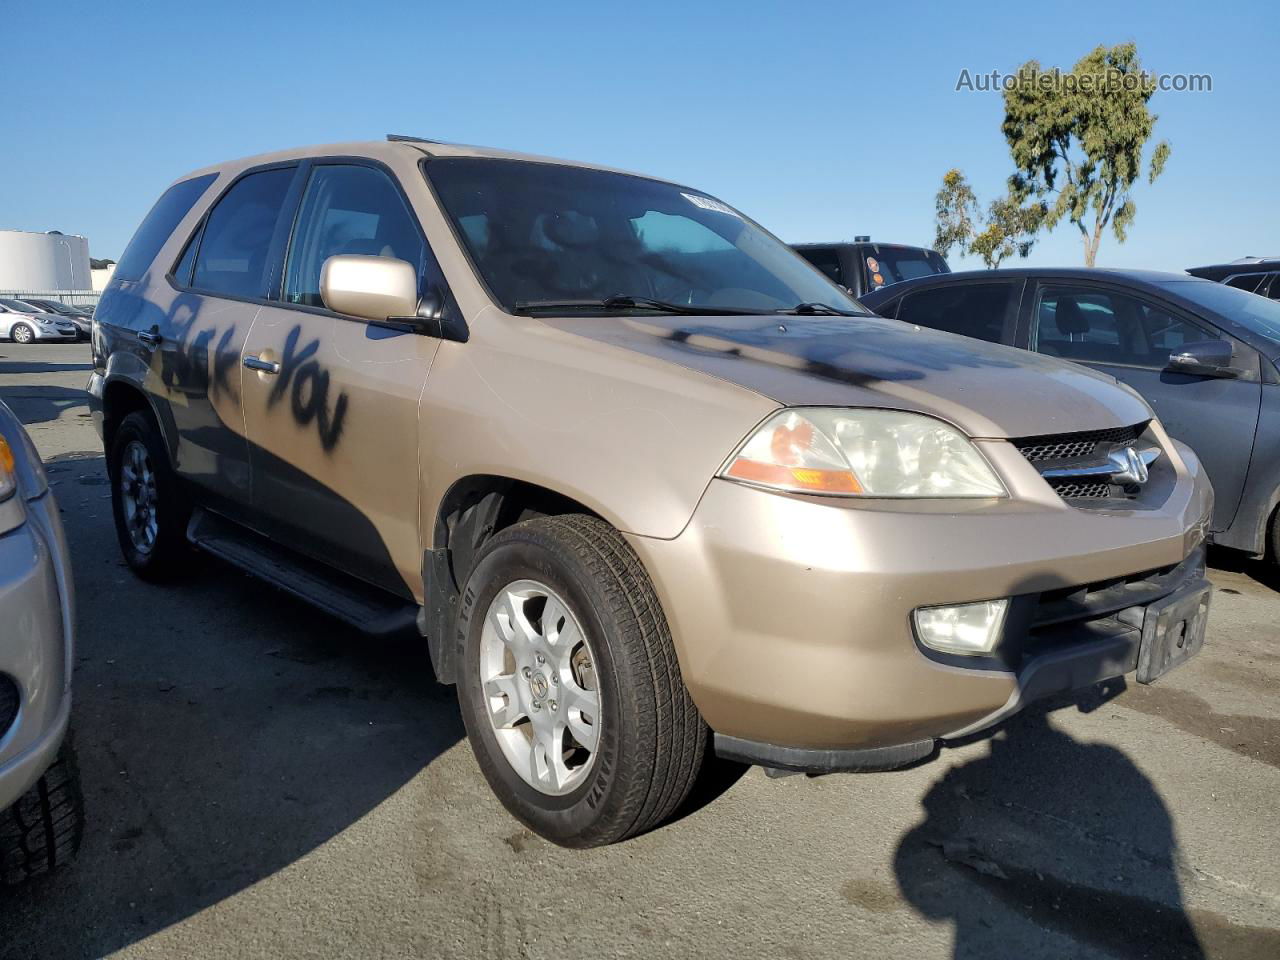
21	333
42	831
161	552
649	737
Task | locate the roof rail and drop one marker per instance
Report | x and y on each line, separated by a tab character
405	138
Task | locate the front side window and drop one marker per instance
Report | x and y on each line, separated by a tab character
173	205
549	236
236	241
1107	327
825	259
348	209
970	309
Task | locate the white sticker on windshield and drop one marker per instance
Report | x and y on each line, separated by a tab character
706	203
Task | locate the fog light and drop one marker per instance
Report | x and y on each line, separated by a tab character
967	628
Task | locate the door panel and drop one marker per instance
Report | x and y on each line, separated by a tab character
201	335
333	421
1130	338
334	441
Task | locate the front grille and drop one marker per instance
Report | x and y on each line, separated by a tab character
8	703
1086	454
1080	489
1077	446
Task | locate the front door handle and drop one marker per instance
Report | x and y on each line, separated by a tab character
151	338
262	366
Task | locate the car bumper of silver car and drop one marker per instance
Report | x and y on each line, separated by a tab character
793	616
36	603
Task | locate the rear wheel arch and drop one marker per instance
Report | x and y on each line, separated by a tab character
471	512
119	399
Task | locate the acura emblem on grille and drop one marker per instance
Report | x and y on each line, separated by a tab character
1129	466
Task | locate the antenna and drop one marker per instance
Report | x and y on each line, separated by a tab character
405	138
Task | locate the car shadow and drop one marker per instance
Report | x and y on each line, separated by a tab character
1048	845
1262	570
224	730
36	405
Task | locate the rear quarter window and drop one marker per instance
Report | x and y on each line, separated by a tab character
174	204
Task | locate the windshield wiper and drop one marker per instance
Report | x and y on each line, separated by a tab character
816	309
626	302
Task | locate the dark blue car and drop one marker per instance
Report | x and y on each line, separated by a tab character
1203	354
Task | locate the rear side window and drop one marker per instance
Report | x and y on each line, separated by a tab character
972	309
236	241
1247	282
174	204
349	209
825	259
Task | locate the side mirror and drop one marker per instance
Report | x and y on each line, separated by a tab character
1205	358
372	288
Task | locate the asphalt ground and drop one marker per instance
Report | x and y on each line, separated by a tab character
263	782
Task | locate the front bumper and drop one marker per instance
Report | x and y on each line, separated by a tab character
792	615
36	606
56	333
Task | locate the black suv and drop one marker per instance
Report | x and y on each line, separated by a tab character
1260	275
862	266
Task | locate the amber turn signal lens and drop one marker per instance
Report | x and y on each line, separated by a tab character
804	478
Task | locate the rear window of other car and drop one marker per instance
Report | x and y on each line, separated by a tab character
971	309
174	204
895	264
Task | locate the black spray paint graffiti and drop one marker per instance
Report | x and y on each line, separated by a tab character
193	365
309	397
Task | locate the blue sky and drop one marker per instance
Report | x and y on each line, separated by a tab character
821	121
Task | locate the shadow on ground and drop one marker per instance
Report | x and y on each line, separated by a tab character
1048	845
224	730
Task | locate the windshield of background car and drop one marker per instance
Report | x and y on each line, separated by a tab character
548	232
18	306
886	265
1255	313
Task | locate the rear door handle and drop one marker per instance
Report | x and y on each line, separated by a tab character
150	337
263	366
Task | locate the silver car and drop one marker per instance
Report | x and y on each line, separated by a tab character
23	323
41	812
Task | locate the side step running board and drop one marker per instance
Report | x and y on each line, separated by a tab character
364	607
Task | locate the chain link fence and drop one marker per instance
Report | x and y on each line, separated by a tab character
73	298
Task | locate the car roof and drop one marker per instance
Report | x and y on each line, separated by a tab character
397	146
1136	277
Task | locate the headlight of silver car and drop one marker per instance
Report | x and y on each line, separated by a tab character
8	470
863	453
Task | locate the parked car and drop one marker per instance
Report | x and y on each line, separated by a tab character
41	812
635	470
79	317
1204	355
862	266
1260	275
23	323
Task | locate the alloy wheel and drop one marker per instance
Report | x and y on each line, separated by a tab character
538	679
139	497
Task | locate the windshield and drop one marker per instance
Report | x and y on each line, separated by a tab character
18	306
1255	313
51	306
542	234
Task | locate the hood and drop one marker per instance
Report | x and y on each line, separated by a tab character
985	389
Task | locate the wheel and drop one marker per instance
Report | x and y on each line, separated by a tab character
569	685
21	333
151	509
42	830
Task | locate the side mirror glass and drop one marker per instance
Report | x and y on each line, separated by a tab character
372	288
1210	358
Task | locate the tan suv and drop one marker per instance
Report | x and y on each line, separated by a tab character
644	479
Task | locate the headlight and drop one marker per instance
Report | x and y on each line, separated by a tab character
8	470
863	453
